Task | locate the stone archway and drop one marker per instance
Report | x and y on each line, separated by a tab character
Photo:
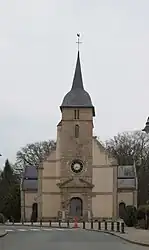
122	207
76	207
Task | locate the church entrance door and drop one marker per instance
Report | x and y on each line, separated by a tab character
34	212
122	210
76	207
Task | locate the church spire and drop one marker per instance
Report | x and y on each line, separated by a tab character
77	80
78	42
77	97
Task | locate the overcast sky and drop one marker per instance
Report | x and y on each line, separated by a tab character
37	60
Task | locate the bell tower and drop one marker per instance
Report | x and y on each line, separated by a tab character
76	148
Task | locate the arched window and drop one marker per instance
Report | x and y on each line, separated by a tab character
76	114
122	211
76	131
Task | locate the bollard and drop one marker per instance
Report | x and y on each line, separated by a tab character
91	224
122	228
75	222
83	224
118	226
112	226
99	225
32	222
105	225
50	223
67	223
22	222
41	223
59	223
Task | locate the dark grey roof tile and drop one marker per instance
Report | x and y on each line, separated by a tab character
28	185
77	96
30	172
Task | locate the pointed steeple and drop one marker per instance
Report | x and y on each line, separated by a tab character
77	97
146	129
77	80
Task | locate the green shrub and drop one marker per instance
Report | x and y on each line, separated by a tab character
143	216
144	208
130	218
2	218
141	212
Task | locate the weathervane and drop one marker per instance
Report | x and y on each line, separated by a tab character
78	42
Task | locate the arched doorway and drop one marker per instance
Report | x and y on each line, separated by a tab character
122	207
34	212
76	207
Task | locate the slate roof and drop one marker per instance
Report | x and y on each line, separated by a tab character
29	181
29	185
77	97
31	172
126	177
146	129
126	172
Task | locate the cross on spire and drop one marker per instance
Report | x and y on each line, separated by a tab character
78	42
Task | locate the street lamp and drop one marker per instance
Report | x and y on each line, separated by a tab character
146	129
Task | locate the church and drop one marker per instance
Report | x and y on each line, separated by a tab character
79	178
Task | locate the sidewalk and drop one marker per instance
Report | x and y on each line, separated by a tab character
2	233
133	235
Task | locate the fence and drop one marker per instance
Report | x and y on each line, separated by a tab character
111	226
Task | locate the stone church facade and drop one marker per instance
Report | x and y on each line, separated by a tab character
79	178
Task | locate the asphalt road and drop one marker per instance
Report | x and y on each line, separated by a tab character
67	239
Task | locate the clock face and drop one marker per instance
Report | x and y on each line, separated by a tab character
76	166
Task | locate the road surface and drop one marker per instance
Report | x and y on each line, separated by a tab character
22	238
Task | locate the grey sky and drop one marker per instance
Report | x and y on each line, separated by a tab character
37	59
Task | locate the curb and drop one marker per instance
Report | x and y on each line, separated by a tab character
130	241
38	226
22	225
120	237
3	234
43	226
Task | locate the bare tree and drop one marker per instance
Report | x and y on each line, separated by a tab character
128	147
33	154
